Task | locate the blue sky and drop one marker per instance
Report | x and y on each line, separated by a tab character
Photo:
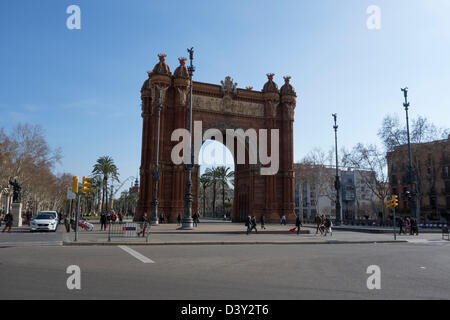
83	85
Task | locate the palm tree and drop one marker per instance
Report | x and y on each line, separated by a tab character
211	173
97	187
205	181
105	167
223	176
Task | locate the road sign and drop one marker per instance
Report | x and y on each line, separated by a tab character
70	194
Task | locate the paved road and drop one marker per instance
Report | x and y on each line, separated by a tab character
408	271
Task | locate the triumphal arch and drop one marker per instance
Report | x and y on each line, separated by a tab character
222	107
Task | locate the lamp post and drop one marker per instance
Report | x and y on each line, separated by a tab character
155	175
411	176
337	184
187	222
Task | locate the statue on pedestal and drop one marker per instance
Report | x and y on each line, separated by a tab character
16	190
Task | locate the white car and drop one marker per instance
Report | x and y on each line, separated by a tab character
45	220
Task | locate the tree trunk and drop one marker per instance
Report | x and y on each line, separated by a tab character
103	199
106	196
223	198
204	201
214	199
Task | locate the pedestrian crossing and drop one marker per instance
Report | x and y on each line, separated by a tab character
30	243
427	241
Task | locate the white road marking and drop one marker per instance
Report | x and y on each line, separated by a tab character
136	254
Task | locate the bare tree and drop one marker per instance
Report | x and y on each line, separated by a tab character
26	156
394	134
373	164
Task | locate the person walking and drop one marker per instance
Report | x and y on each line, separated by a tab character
407	225
318	221
283	220
253	224
298	224
262	220
414	227
144	224
179	218
400	225
8	222
248	224
328	224
28	215
103	221
195	218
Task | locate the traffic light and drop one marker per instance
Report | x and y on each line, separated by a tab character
86	185
75	184
394	201
390	204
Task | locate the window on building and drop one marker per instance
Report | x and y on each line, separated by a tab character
394	179
447	186
405	204
433	202
445	171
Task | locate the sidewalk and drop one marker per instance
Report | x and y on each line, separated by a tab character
376	229
226	233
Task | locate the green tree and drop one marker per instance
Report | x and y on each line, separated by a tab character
213	176
224	175
205	181
107	169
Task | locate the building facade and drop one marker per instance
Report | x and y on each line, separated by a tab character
219	107
431	165
315	193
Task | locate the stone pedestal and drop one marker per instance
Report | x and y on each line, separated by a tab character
16	211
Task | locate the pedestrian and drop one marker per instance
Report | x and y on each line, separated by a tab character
8	222
144	224
179	218
298	224
283	220
103	222
28	215
400	225
318	221
262	220
414	227
161	218
248	224
253	224
120	217
194	217
328	224
408	225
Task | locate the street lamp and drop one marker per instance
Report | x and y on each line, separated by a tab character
155	176
187	222
337	184
411	176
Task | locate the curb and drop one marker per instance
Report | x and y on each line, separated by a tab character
163	243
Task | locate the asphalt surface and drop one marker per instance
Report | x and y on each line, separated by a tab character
323	271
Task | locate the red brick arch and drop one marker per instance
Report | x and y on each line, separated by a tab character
222	107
